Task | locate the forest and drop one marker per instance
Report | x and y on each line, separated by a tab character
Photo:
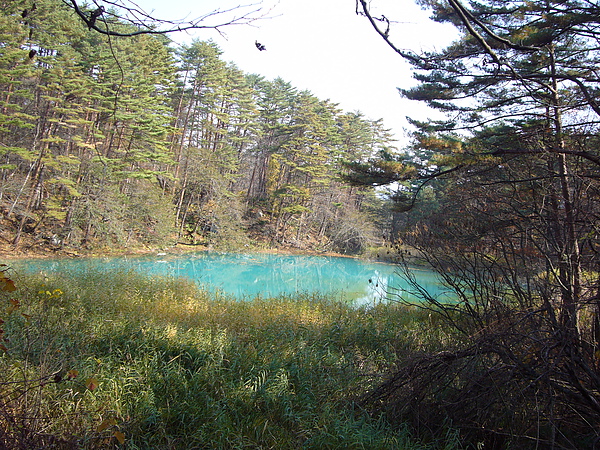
112	137
135	142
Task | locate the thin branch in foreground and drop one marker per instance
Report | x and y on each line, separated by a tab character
128	12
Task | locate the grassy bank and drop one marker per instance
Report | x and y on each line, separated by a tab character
97	361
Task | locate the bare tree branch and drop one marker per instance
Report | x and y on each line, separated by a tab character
384	33
109	12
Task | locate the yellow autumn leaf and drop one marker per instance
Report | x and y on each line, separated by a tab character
72	374
91	383
105	424
120	437
7	284
14	304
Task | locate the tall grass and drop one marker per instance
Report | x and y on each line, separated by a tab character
177	368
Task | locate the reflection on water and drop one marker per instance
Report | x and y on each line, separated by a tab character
250	275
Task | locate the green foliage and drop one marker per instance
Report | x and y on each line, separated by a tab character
87	124
509	221
170	366
383	169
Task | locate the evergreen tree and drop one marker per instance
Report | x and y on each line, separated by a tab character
217	115
276	102
515	232
93	126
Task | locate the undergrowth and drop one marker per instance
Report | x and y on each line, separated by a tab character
98	360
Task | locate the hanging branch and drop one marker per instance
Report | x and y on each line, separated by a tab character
384	33
126	11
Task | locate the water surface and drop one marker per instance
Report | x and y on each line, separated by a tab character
246	276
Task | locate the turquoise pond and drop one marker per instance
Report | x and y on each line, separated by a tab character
246	276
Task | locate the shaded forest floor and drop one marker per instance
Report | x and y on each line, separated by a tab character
30	247
252	236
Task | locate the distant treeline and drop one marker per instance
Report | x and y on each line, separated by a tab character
129	141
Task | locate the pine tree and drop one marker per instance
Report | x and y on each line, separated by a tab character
516	230
216	115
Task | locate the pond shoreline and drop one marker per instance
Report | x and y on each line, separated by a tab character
8	252
250	274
